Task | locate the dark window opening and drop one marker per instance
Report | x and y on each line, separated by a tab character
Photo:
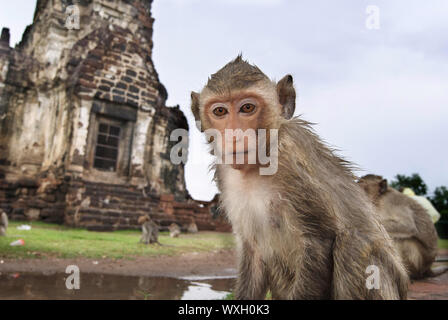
106	152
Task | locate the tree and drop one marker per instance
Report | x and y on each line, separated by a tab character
415	182
440	200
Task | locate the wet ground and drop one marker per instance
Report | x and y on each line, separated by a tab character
171	278
31	286
430	288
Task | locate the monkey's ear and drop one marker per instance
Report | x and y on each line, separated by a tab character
195	109
383	186
287	96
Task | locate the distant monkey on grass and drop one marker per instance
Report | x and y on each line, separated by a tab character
3	223
174	230
304	228
150	230
192	227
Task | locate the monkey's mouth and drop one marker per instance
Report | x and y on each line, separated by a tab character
239	154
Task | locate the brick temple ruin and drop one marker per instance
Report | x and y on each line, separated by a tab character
84	129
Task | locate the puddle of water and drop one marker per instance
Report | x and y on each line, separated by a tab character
29	286
203	291
198	278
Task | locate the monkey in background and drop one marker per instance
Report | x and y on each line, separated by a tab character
306	230
407	223
3	223
192	227
150	230
174	230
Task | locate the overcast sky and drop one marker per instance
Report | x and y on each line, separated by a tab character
378	95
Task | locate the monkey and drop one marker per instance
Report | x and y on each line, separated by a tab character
192	227
407	223
150	230
3	223
304	228
174	230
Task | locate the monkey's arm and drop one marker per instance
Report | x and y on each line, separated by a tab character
144	233
252	281
353	253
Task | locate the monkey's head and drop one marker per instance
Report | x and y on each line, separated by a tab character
173	226
143	219
240	97
375	186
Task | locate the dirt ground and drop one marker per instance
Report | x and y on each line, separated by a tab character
431	288
218	263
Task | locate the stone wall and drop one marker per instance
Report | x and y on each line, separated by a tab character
101	206
58	87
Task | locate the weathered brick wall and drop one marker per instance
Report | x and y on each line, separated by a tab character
53	87
101	207
49	86
28	199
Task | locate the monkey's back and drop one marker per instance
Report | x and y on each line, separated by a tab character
331	233
330	205
412	230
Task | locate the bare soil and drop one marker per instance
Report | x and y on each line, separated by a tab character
217	263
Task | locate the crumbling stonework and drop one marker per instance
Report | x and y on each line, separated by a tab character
84	130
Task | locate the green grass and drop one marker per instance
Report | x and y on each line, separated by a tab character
230	296
64	242
443	243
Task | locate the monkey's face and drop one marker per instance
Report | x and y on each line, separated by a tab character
237	119
238	123
238	102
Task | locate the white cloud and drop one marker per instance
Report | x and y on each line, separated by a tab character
377	95
183	3
16	15
252	2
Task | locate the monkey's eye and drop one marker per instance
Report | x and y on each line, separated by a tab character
219	111
247	108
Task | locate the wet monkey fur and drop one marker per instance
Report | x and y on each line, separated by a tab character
306	231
